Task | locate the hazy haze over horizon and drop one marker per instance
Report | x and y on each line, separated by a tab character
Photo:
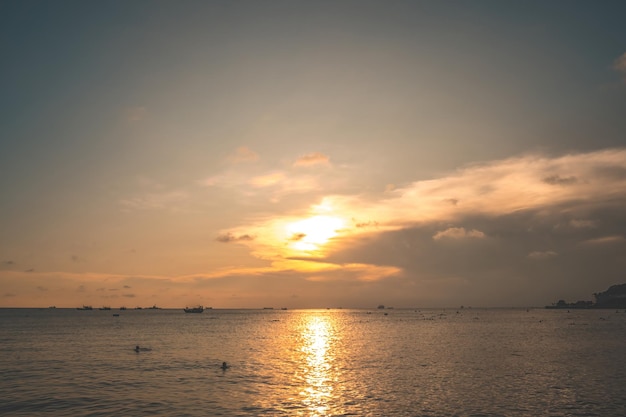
311	154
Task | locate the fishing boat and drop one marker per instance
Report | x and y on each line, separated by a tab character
198	309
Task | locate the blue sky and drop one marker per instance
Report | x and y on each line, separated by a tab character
244	154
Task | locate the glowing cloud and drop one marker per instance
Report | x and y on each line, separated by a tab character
458	233
243	154
267	180
605	240
315	158
497	188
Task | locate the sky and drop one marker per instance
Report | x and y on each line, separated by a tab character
311	154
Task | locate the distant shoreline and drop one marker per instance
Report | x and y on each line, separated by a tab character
613	298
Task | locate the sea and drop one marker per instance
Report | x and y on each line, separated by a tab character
328	362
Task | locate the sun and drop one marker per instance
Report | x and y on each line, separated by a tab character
310	234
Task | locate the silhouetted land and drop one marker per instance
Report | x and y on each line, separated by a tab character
614	297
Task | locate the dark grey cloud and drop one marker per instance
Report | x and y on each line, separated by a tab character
558	180
366	224
229	237
297	236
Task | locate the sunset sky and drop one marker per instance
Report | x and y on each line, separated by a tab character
300	154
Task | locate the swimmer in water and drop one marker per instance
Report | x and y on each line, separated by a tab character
137	348
224	366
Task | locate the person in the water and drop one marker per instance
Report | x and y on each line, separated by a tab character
140	349
224	366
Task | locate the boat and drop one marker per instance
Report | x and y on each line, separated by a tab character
84	307
105	308
198	309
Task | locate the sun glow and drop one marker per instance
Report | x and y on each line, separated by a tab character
310	234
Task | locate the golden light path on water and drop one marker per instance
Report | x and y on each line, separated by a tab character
317	393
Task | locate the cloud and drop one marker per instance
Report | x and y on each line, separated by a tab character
243	154
557	180
497	188
297	237
605	240
538	255
361	224
520	203
268	180
458	233
314	158
583	224
229	237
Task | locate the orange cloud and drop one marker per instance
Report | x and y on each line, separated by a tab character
267	180
497	188
243	154
605	240
314	158
458	233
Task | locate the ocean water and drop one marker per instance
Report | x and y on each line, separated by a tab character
474	362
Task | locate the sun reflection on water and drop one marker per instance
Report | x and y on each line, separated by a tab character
317	335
